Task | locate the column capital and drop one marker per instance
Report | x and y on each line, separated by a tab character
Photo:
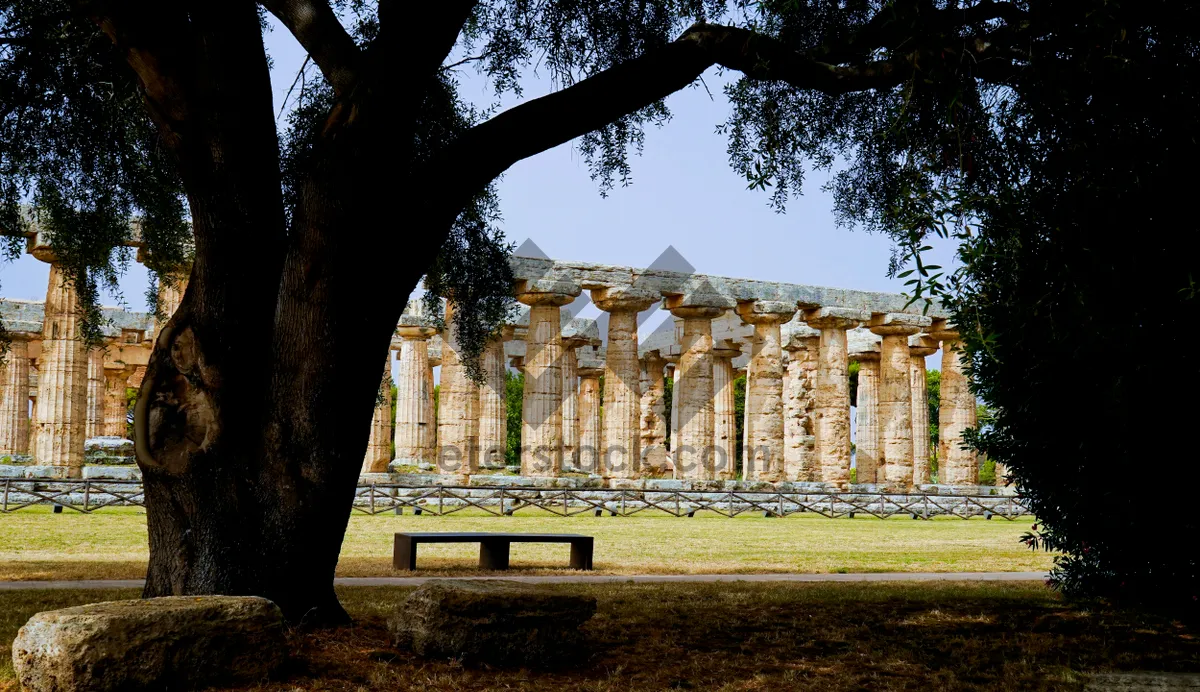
898	324
834	317
726	348
698	305
621	298
800	338
581	332
865	356
944	330
414	333
653	356
922	345
765	311
589	372
517	363
546	292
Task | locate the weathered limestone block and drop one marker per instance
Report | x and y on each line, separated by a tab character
957	465
725	410
866	446
177	642
415	424
801	345
493	408
919	347
379	444
590	442
541	413
490	620
764	389
621	457
895	394
458	414
654	409
14	397
695	453
94	427
62	378
831	413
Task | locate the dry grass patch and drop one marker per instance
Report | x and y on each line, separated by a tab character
742	636
112	544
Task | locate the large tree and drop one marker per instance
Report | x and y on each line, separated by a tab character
253	417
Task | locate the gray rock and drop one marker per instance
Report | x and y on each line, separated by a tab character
1143	681
177	642
490	620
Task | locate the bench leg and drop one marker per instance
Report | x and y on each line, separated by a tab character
404	553
581	554
493	555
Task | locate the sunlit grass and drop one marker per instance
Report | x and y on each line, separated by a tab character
36	544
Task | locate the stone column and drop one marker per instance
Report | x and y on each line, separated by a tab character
801	346
895	394
379	444
695	455
95	393
725	410
415	426
673	366
62	379
764	389
570	402
1001	475
654	409
590	442
14	397
431	407
831	411
918	347
541	411
493	403
867	453
171	287
116	407
458	404
956	464
622	453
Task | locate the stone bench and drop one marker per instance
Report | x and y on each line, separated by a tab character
493	547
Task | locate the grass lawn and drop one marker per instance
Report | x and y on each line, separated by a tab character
111	544
742	636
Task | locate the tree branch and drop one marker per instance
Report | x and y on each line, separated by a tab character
317	28
440	24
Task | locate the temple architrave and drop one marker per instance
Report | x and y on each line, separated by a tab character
593	404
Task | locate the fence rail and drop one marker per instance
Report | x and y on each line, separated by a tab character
438	500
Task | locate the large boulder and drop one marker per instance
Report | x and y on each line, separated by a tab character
177	642
490	620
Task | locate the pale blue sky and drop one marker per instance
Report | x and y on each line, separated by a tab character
684	194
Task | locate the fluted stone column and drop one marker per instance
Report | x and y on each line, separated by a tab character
590	442
415	426
95	393
458	408
831	413
673	370
170	293
622	379
1001	475
14	397
62	379
116	407
493	404
570	402
379	444
867	453
541	412
654	409
919	347
895	394
956	464
799	400
725	410
695	455
764	389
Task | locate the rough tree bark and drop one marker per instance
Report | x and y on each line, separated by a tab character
254	413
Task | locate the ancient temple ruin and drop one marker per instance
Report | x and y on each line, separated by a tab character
593	404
